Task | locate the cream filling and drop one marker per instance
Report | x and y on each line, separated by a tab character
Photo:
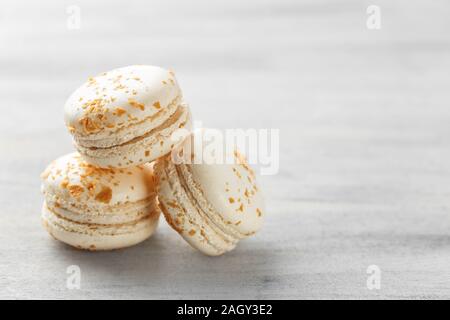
67	225
101	213
179	118
131	131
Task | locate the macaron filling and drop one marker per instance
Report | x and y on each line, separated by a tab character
96	237
59	218
155	142
109	138
122	213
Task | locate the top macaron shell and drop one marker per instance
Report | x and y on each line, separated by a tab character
119	98
71	180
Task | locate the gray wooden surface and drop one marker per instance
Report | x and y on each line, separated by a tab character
364	149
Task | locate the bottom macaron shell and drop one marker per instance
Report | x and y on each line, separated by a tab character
98	237
146	148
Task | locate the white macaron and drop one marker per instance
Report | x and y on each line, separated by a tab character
126	116
98	209
212	206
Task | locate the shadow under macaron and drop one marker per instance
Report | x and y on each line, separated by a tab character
165	265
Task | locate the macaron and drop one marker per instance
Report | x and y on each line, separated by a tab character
98	209
211	205
126	117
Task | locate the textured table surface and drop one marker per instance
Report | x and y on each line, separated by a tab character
363	115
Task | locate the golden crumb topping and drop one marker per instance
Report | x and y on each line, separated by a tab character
75	190
136	104
89	125
104	195
119	112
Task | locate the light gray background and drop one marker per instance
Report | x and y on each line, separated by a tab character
364	149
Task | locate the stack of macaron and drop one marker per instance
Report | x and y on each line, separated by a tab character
110	193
